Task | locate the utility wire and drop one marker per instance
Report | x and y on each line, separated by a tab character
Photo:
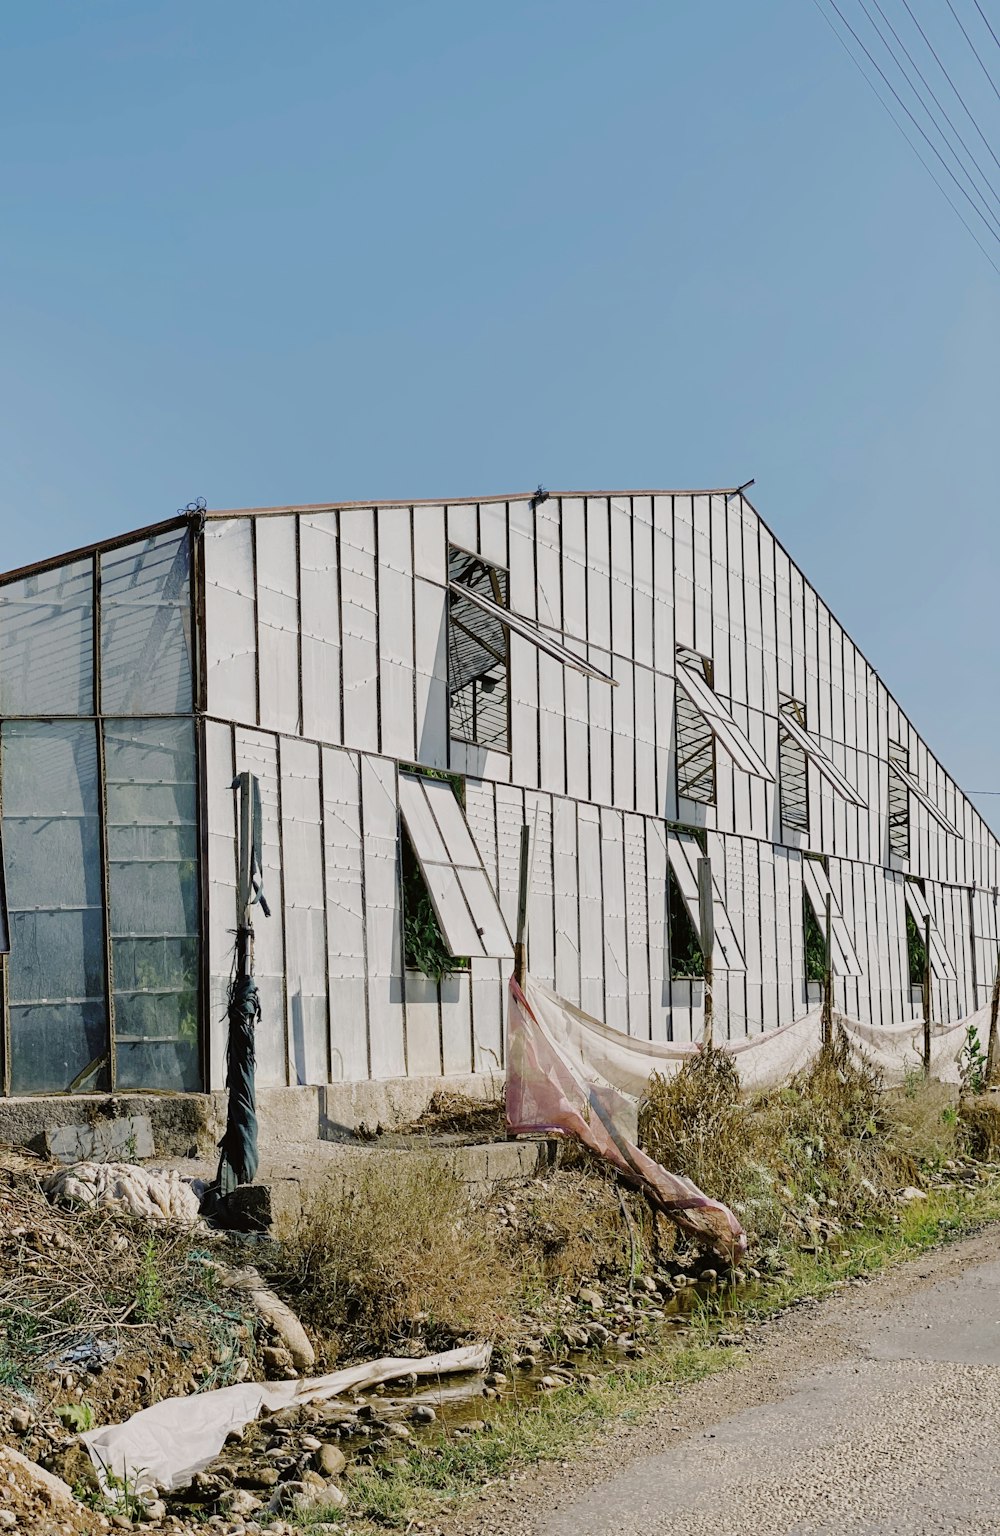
951	82
927	167
940	106
975	50
921	130
987	21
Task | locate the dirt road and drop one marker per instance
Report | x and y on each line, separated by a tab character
875	1412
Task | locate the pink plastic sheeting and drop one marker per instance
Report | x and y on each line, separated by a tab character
548	1092
570	1075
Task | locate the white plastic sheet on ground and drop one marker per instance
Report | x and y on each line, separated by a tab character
569	1074
165	1445
148	1193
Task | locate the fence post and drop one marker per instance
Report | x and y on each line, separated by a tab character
826	1020
706	915
927	995
520	943
991	1049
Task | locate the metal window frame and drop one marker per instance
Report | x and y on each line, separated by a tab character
844	959
417	795
915	788
727	955
942	965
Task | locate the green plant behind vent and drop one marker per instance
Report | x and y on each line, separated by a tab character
686	959
423	942
916	951
815	944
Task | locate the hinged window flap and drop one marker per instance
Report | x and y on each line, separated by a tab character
464	902
844	958
684	853
528	630
942	965
724	728
917	790
820	758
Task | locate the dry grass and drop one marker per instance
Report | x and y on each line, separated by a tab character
571	1227
458	1114
404	1256
833	1141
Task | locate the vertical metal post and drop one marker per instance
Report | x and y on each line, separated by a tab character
826	1018
927	995
991	1049
706	923
520	942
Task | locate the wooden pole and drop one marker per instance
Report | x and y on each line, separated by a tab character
244	895
520	942
991	1049
706	915
826	1018
927	995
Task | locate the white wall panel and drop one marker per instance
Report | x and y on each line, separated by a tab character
493	532
591	911
278	623
359	627
230	620
430	545
345	916
642	579
566	899
637	925
615	942
430	627
305	912
319	585
395	633
380	820
621	576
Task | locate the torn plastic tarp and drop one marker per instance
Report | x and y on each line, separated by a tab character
551	1088
569	1074
165	1445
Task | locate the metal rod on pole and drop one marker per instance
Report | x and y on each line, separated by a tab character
927	995
991	1049
827	1014
706	915
520	941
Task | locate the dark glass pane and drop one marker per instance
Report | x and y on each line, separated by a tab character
51	836
153	874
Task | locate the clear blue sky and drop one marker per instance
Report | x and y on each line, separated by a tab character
311	250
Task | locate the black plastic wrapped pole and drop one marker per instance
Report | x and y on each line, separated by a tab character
239	1157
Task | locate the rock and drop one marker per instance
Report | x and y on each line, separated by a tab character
312	1479
239	1503
472	1427
256	1477
331	1461
21	1420
495	1379
592	1299
310	1443
51	1490
156	1510
708	1275
910	1193
7	1520
423	1413
398	1431
278	1363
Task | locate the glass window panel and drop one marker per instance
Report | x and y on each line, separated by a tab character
52	1044
146	627
169	1064
47	642
51	831
153	874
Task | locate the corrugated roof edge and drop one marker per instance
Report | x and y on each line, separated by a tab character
454	501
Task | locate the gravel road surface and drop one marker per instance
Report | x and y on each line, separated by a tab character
877	1411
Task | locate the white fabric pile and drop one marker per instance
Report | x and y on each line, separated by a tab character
153	1195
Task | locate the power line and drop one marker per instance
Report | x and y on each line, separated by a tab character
919	127
987	21
938	103
928	168
975	50
951	82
